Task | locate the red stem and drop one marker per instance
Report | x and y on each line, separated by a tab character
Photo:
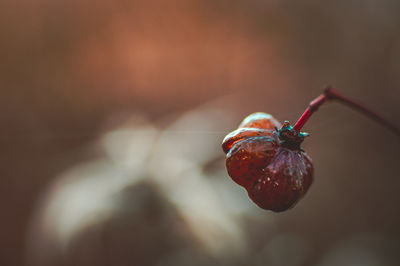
331	94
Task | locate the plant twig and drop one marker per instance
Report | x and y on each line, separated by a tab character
331	94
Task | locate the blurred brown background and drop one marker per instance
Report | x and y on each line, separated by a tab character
113	111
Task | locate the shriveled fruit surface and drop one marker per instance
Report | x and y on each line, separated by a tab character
268	162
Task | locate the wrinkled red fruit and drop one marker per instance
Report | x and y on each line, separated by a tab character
268	162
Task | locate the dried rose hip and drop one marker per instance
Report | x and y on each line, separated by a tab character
268	162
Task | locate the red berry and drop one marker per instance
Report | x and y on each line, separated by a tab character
268	162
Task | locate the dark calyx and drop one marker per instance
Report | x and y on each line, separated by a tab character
289	137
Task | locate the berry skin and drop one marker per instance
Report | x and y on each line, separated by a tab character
243	133
247	159
268	163
284	182
260	120
256	124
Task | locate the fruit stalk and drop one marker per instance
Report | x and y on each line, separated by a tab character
331	94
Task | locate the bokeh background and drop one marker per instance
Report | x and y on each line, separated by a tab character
112	115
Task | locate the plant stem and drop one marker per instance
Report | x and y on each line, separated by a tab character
330	94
